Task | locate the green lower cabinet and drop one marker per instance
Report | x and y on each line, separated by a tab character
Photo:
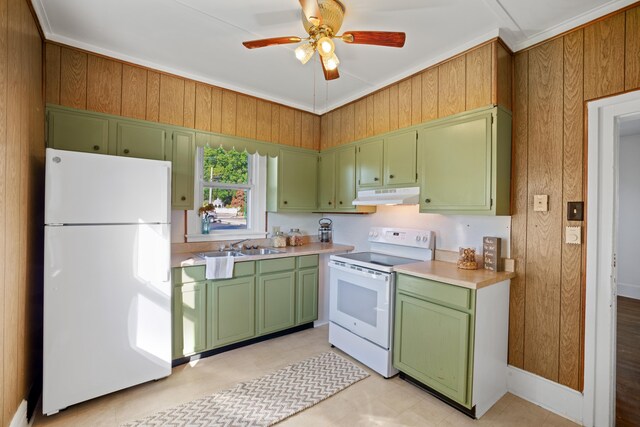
189	318
306	296
77	132
231	313
276	302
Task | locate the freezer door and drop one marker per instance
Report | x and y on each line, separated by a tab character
107	310
84	188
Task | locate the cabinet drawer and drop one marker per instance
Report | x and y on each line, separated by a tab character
307	261
280	264
451	295
246	268
188	274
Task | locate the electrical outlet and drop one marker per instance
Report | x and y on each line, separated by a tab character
575	211
540	203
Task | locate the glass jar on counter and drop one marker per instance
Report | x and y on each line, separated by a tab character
295	237
279	240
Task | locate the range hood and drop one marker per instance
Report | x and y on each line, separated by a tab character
390	196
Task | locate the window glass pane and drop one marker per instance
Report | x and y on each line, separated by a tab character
230	208
226	167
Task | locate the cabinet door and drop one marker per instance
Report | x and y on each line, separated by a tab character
400	159
182	170
455	165
78	132
432	345
138	140
370	164
326	181
231	314
345	178
276	302
307	296
189	319
298	180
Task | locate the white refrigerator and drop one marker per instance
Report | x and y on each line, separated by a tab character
107	288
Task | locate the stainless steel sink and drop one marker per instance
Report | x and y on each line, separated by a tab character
220	254
261	251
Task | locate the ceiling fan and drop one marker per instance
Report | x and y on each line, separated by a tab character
322	20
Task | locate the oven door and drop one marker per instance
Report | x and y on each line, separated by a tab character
360	301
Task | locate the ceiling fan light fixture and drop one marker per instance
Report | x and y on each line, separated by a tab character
304	52
326	47
330	62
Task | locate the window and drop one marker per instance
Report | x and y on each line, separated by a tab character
235	184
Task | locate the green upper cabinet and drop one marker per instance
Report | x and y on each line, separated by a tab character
399	159
139	140
231	317
183	165
370	167
345	178
326	181
293	181
77	132
464	164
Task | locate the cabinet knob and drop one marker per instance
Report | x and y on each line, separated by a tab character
285	202
340	201
427	200
96	147
126	151
391	176
375	179
183	198
329	203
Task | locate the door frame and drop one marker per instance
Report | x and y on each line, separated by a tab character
604	117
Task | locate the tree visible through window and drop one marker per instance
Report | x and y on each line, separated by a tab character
226	184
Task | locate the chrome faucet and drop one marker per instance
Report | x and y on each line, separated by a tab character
233	245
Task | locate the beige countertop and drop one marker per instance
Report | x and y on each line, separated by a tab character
187	259
448	272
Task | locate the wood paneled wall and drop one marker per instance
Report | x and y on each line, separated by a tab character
476	78
79	79
21	204
552	82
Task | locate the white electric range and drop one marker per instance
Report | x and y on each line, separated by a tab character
362	294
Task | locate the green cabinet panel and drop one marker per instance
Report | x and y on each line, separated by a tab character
183	165
432	345
307	261
189	318
231	316
400	159
306	295
370	155
196	273
78	132
276	302
292	181
140	140
327	181
437	292
275	265
345	178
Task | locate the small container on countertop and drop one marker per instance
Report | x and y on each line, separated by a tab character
279	240
295	237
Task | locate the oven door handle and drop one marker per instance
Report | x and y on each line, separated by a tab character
358	271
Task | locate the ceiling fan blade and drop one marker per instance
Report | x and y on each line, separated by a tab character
311	11
329	74
253	44
378	38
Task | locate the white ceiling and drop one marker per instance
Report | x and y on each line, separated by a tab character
201	39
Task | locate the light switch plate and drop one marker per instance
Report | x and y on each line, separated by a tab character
540	203
573	236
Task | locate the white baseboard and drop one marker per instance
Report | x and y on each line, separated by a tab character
552	396
628	290
20	417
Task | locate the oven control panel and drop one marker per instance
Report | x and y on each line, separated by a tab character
412	237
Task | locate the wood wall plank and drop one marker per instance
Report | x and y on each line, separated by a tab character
287	121
381	111
360	119
404	104
504	64
451	87
632	52
324	132
203	107
216	109
316	132
52	73
153	96
544	229
307	131
275	123
429	94
336	128
263	120
416	99
4	61
297	128
604	57
519	210
134	92
479	77
571	293
229	112
104	85
247	117
189	116
394	106
370	110
171	100
73	78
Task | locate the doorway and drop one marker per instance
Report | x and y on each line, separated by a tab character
627	361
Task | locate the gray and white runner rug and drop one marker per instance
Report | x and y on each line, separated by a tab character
266	400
